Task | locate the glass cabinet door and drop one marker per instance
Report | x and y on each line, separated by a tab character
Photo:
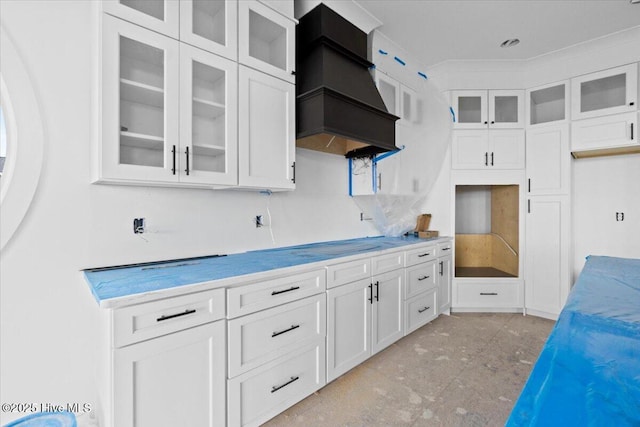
210	25
506	109
208	121
606	92
389	91
156	15
266	40
470	109
140	103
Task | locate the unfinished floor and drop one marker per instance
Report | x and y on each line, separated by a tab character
459	370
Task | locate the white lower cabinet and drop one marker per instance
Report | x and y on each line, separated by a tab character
260	394
445	265
386	316
174	380
488	294
420	310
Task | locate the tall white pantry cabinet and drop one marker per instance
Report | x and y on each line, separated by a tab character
176	75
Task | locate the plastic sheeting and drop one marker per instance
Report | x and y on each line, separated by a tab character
46	419
125	281
588	373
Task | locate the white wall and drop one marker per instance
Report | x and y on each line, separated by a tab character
47	312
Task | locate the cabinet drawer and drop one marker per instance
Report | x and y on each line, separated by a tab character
257	296
153	319
264	392
264	336
420	310
388	262
420	255
420	278
444	248
507	295
347	272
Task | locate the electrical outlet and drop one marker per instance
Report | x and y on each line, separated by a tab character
138	225
619	216
258	221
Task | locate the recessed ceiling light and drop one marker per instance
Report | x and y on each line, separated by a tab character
634	1
511	42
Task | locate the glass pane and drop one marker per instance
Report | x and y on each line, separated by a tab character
388	93
603	93
547	105
209	20
267	41
506	109
406	105
153	8
209	118
469	109
141	104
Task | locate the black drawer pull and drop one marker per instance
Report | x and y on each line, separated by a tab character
422	310
293	288
488	293
423	278
278	387
421	255
171	316
446	249
275	334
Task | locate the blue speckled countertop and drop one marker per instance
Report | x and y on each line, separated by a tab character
114	283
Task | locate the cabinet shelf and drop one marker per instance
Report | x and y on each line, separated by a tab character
139	140
141	93
208	150
208	109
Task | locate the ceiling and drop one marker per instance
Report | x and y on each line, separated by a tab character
437	31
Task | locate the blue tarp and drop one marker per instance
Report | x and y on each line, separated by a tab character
588	373
119	282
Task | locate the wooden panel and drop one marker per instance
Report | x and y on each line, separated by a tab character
505	213
329	144
502	257
473	250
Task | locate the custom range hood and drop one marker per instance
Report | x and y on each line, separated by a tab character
338	107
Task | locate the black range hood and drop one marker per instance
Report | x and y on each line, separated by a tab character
338	107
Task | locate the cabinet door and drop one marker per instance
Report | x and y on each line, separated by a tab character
444	283
506	149
208	118
175	380
266	40
157	15
470	109
605	92
470	149
266	136
140	104
348	326
210	25
506	109
547	278
548	160
618	130
420	310
389	91
386	318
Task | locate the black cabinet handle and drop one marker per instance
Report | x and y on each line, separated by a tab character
492	158
528	205
632	131
186	152
293	288
421	255
422	310
446	249
485	122
441	268
278	387
173	152
489	293
632	103
423	278
529	186
493	122
275	334
293	179
377	291
173	316
486	159
371	293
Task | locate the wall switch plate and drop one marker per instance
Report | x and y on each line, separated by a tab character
138	225
258	221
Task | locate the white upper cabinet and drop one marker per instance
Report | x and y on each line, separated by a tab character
139	104
495	109
210	25
399	99
266	40
266	135
605	92
208	118
607	135
548	104
157	15
488	149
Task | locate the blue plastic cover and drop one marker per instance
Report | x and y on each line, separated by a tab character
119	282
45	419
588	373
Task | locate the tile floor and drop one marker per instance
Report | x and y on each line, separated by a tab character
459	370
